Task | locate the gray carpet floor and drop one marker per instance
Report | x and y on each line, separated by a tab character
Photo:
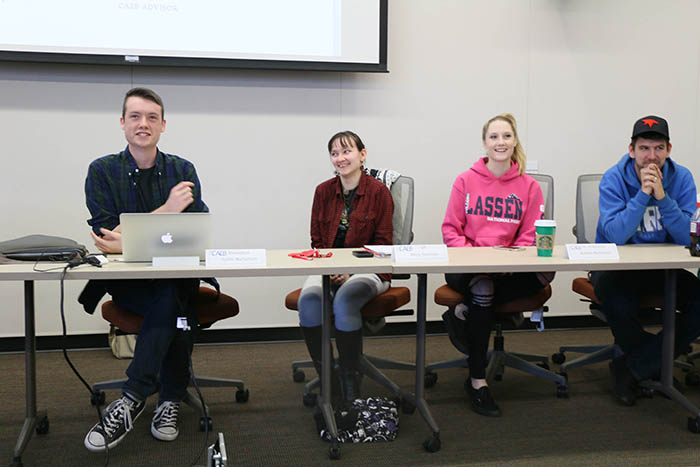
274	428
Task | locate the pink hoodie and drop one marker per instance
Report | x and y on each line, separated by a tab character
485	210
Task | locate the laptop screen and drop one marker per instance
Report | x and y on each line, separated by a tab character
145	235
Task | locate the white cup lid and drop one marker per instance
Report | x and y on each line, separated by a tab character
545	223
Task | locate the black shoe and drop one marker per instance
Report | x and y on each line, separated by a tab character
455	331
117	420
482	402
624	383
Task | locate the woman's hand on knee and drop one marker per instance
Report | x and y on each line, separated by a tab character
339	279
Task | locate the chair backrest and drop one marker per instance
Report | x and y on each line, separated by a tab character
587	212
402	192
547	184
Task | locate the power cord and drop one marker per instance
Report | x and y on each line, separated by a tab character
94	395
94	261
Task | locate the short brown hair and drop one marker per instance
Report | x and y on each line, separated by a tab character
345	138
144	93
652	136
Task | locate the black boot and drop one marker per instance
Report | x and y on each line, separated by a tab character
624	382
314	340
482	401
349	351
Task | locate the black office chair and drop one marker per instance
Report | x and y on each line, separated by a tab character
512	312
211	306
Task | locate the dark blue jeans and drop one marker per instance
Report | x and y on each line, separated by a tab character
162	353
620	292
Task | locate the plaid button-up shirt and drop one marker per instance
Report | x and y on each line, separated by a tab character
111	186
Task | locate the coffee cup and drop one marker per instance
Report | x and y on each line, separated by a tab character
544	236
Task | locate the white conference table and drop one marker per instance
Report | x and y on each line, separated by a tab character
666	257
278	264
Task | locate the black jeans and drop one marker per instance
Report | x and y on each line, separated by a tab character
620	293
478	323
162	353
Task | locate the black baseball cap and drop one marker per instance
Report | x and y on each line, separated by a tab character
651	124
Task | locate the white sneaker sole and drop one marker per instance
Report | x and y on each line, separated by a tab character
163	436
94	448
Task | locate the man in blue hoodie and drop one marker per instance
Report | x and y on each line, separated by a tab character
645	198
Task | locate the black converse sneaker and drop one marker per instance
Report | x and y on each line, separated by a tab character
164	425
117	420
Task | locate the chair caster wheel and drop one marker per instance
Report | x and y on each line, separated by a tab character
692	378
298	376
558	358
430	380
433	443
544	365
43	426
407	406
309	399
694	424
242	395
17	462
498	377
646	393
205	424
97	398
562	391
334	450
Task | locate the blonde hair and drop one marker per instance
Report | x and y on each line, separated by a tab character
518	152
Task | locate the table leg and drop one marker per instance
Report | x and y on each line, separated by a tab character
31	417
432	443
324	401
667	353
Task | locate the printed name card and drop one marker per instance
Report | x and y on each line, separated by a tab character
175	261
236	258
420	253
591	251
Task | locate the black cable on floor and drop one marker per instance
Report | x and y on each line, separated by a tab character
64	338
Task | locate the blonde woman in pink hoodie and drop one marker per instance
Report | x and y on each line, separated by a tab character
493	203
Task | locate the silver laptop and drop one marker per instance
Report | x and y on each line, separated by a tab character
145	235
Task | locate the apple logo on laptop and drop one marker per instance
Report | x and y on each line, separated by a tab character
167	238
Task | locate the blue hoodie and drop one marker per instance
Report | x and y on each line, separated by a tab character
628	215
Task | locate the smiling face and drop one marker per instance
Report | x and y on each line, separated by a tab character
346	158
499	141
142	123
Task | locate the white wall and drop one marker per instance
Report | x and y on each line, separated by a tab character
576	74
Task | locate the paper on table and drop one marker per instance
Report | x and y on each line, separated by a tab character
425	253
591	251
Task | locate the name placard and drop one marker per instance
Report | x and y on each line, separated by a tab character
588	251
175	261
236	258
420	253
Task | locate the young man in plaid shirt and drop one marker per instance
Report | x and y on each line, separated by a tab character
141	178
